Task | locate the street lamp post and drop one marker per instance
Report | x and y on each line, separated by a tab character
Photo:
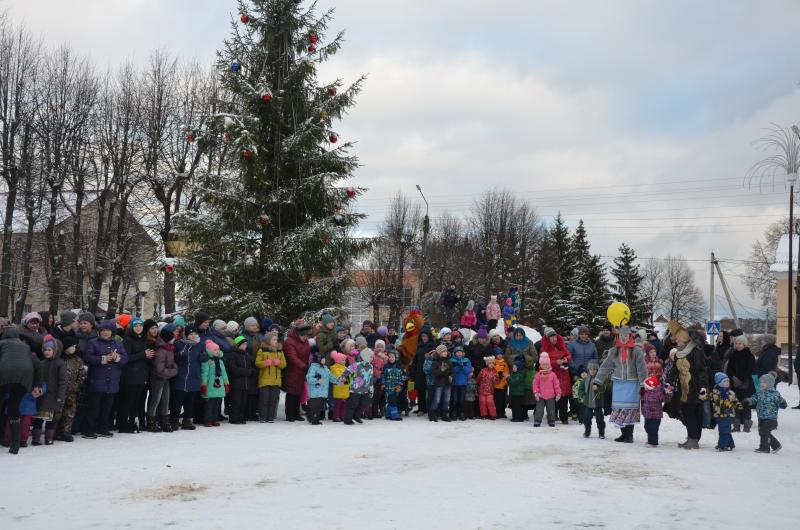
792	178
144	288
426	226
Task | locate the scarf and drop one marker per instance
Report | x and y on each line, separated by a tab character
518	344
685	351
623	348
723	392
217	372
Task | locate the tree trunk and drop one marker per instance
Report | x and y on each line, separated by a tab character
77	259
120	255
55	256
26	269
8	232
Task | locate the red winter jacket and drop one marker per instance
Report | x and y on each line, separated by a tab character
297	354
487	378
559	351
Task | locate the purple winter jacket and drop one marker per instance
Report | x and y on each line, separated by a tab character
104	378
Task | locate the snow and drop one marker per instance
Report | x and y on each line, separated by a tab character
414	474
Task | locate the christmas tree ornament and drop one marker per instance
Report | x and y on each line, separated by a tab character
313	38
235	67
228	122
169	265
312	48
351	193
247	153
263	220
190	138
266	96
338	208
212	199
324	116
333	138
332	90
227	137
338	219
244	18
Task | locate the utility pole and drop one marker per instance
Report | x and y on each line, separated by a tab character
711	290
426	226
715	262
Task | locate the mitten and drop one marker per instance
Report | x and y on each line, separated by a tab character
538	396
227	388
203	389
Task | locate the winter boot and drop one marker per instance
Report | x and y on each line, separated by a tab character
621	438
187	425
166	424
152	424
175	423
16	427
628	434
36	437
49	436
737	426
747	425
691	443
602	433
587	431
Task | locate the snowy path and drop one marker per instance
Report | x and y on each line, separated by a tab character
419	475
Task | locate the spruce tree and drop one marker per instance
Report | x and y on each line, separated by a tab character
545	281
270	235
627	288
590	297
563	311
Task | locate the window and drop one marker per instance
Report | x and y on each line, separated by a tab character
357	307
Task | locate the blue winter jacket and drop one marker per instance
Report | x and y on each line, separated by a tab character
767	360
190	358
582	353
220	341
461	369
393	375
319	378
430	380
767	403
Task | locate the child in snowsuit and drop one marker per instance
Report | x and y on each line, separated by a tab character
516	389
241	367
462	368
27	410
767	401
360	376
319	378
341	389
546	390
655	394
493	313
509	315
469	397
724	405
54	373
591	399
501	388
393	377
442	372
270	362
379	397
487	379
76	375
469	319
214	383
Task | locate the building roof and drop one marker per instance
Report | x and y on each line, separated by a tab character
781	263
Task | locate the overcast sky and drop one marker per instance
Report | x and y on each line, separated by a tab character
636	116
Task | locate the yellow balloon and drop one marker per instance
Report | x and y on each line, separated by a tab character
619	314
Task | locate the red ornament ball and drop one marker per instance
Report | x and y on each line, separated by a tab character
169	269
313	38
190	138
332	90
266	97
351	193
244	18
312	48
333	138
228	137
263	220
247	153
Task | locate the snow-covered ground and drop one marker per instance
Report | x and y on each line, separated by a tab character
414	474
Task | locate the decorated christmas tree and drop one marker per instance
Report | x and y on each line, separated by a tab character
271	235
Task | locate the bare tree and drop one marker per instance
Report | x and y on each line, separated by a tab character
682	298
759	279
653	286
19	62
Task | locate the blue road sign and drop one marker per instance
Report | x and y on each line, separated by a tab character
713	328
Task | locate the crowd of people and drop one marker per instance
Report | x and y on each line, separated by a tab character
86	376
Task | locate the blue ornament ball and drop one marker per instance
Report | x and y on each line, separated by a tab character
235	67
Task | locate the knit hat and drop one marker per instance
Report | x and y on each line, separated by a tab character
379	342
49	342
509	301
624	330
458	349
488	360
167	333
719	378
549	332
470	305
544	359
136	321
444	331
456	335
211	346
649	347
361	342
520	364
592	364
149	323
383	331
239	340
179	321
769	379
301	328
87	317
608	327
266	322
69	341
188	330
123	320
338	357
367	355
497	350
232	327
219	325
367	323
441	349
492	334
482	333
583	329
338	328
200	317
327	318
574	332
109	324
67	318
30	317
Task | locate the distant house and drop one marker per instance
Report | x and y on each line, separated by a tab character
364	285
780	269
137	267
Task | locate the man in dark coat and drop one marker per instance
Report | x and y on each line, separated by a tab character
424	345
20	372
768	356
449	300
